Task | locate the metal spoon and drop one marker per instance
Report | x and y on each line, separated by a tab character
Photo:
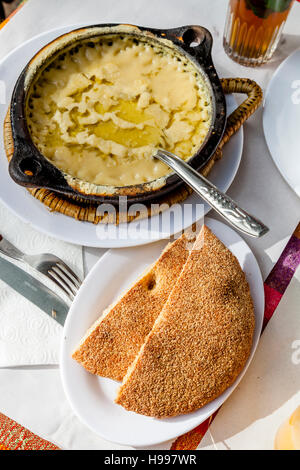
223	204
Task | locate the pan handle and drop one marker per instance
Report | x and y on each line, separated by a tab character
28	168
194	39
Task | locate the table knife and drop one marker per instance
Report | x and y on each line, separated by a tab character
34	291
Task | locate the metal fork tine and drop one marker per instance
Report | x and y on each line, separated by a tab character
68	293
61	283
66	267
47	264
59	270
61	278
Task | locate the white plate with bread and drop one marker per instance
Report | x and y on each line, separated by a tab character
181	336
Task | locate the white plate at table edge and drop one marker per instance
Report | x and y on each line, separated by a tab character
91	397
270	133
65	228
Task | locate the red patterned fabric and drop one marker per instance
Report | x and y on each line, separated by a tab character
13	436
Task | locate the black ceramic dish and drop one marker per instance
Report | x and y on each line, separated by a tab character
28	167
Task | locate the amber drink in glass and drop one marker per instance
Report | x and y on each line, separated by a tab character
253	29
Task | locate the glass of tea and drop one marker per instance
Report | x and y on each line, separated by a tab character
253	29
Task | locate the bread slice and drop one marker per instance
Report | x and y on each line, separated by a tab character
111	344
201	340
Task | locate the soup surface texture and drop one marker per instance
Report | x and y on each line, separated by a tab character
101	109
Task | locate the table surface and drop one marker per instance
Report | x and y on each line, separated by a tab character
34	396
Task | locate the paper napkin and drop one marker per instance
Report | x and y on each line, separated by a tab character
28	336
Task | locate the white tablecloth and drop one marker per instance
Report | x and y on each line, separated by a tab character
34	396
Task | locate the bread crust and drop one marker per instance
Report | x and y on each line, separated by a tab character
201	340
111	344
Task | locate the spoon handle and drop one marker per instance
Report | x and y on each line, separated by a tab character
219	201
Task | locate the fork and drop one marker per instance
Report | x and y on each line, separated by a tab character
49	265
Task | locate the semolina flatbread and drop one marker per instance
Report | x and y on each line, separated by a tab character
111	344
201	340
